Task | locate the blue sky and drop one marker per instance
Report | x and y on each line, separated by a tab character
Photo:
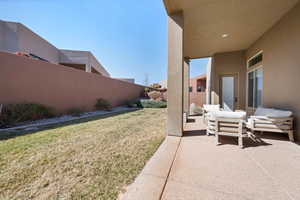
129	37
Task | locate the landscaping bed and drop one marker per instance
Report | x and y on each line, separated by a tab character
38	124
85	159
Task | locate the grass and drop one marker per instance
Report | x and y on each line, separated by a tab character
93	159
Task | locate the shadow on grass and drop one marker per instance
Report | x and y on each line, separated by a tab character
5	135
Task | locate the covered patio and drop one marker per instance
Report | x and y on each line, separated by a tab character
192	167
203	171
253	48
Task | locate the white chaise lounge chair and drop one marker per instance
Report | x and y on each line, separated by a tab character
208	119
230	124
272	120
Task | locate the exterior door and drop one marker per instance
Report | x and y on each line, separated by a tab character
228	92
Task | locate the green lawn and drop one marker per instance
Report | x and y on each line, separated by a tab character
92	159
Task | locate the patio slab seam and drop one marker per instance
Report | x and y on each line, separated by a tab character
169	172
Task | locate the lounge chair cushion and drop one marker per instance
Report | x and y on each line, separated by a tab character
194	109
271	113
229	115
211	108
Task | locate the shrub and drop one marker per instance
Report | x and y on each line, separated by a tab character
15	113
155	86
103	104
147	89
134	104
155	95
76	112
153	104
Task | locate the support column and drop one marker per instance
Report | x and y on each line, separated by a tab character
175	75
208	81
186	86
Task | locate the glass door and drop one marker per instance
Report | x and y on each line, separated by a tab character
255	88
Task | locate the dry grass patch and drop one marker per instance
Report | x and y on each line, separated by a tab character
83	160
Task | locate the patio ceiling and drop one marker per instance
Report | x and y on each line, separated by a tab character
213	26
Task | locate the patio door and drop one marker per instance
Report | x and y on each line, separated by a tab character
255	88
228	91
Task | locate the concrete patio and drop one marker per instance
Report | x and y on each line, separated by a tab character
193	167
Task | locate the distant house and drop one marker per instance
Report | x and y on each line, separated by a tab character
197	90
15	37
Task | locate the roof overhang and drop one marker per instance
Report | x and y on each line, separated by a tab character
214	26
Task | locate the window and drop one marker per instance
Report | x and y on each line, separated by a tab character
191	89
200	88
255	88
201	85
256	59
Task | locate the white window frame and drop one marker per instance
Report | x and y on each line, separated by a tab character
247	92
260	52
249	70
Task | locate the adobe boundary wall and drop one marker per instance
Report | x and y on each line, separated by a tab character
27	80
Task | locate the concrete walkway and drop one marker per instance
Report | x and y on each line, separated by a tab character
193	168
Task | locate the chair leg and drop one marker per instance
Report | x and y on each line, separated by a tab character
291	136
251	136
217	138
240	141
207	129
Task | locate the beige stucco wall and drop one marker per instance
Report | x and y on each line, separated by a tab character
175	75
30	42
226	64
8	36
82	57
186	84
17	37
198	98
28	80
281	64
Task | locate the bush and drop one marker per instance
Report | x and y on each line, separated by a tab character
76	112
153	104
15	113
155	95
134	104
103	104
155	86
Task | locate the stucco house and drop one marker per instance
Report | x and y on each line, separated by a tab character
15	37
197	90
254	46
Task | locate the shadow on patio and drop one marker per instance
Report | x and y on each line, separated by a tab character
202	170
193	167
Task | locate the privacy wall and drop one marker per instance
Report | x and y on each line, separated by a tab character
26	80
